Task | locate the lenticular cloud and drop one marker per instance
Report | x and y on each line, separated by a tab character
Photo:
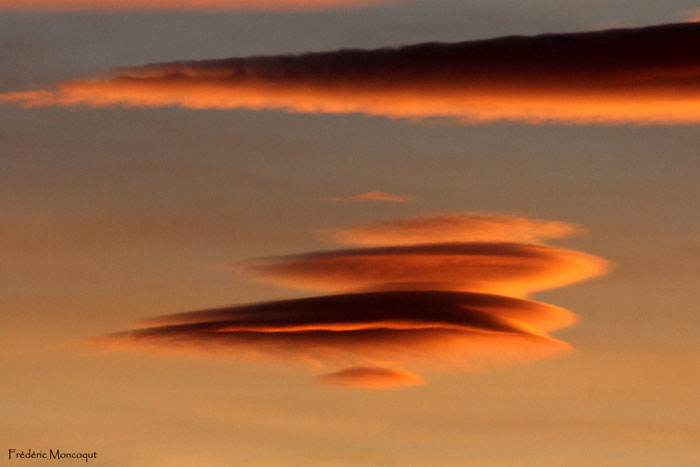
647	75
394	310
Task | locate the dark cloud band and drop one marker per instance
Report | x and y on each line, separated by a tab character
642	75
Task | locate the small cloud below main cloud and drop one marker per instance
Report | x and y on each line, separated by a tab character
373	378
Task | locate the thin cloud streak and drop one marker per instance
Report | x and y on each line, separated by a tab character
372	378
448	228
59	6
579	78
375	196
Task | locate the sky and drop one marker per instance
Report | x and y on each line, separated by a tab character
343	233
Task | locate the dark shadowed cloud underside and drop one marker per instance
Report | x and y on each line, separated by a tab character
642	75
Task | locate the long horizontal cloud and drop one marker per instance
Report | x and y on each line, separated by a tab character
452	228
643	75
197	5
465	330
418	306
393	309
497	267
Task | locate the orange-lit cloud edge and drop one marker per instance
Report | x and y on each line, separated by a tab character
59	6
504	268
578	78
379	329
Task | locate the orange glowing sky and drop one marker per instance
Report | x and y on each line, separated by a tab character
426	232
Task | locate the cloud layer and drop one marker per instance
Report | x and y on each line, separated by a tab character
643	75
425	307
423	329
450	228
497	267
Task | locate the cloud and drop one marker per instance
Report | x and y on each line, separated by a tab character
490	267
375	196
645	75
449	228
424	329
191	5
389	310
428	307
372	378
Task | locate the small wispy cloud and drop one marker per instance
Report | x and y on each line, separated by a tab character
375	196
372	378
449	228
59	6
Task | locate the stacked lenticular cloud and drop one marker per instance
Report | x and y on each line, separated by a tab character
440	293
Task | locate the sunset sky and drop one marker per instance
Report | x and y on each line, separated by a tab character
351	232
